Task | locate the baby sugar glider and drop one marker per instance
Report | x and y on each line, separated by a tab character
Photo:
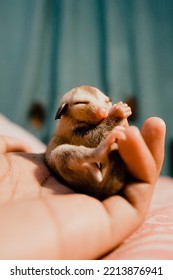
83	152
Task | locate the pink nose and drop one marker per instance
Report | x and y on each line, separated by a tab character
102	113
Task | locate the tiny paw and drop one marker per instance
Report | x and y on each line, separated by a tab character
120	110
102	151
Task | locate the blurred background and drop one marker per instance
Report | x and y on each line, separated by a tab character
123	47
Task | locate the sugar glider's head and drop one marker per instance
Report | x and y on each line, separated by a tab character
84	104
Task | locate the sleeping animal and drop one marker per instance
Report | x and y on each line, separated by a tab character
83	151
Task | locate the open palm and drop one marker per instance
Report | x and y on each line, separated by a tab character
43	219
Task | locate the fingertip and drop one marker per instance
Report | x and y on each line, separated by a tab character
132	131
154	123
153	132
119	133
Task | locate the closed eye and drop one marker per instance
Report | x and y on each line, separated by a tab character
80	102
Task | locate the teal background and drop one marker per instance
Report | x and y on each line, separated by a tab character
123	47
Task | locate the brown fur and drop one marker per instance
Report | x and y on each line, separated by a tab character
80	151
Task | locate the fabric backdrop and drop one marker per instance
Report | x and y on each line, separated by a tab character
123	47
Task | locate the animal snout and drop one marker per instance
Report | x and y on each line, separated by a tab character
102	113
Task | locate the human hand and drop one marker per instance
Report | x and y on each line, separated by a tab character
43	219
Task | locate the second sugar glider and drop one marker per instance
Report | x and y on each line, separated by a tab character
83	151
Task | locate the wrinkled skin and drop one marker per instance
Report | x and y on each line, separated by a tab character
42	219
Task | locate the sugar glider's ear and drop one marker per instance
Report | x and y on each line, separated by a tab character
62	109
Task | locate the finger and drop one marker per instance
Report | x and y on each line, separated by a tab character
153	132
137	156
10	144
